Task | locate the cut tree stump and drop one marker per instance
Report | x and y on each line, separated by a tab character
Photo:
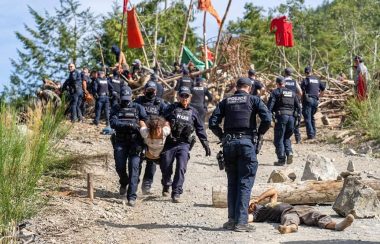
304	192
90	186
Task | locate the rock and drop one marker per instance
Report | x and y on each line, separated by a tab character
319	168
278	176
26	236
325	120
350	166
358	199
350	151
365	149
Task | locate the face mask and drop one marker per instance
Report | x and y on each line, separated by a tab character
149	94
124	103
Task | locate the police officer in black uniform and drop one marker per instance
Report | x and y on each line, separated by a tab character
293	85
160	88
199	93
184	120
127	143
154	106
86	83
257	86
312	88
240	147
186	80
116	85
102	87
74	85
284	105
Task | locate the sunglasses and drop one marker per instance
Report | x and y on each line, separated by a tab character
184	95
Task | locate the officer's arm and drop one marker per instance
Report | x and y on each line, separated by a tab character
322	88
163	107
297	105
208	95
64	86
271	102
95	86
199	128
216	119
167	112
142	113
114	120
264	114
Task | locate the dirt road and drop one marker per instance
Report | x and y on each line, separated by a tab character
70	218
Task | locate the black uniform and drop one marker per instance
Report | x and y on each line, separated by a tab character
198	101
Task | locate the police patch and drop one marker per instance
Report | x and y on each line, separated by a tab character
102	81
237	99
289	83
314	81
287	93
198	88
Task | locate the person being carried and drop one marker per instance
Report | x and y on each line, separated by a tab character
290	217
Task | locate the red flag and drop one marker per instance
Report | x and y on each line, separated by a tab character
205	5
125	6
284	31
135	39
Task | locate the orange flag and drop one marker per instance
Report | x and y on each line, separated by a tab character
135	39
205	5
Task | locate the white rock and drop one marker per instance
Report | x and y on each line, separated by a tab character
319	168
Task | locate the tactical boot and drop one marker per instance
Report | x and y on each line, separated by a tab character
146	190
244	228
123	190
165	191
229	225
131	203
280	162
289	158
176	199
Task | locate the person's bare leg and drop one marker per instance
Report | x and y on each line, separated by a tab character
285	229
345	223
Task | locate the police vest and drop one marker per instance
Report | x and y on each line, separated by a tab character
198	93
129	116
285	101
186	81
116	84
291	84
182	125
152	107
102	87
312	86
238	112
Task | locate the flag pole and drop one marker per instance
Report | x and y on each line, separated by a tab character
220	32
204	39
121	33
185	32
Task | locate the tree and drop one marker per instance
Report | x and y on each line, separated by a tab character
55	41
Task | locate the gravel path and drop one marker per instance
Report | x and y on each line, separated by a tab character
70	218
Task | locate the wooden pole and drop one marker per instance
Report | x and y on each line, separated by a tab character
185	32
90	186
101	54
155	60
220	33
204	39
121	36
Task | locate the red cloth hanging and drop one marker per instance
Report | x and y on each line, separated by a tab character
284	31
206	5
135	39
125	6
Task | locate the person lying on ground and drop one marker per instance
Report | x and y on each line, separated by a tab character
290	217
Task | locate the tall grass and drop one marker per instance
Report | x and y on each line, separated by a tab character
365	115
24	151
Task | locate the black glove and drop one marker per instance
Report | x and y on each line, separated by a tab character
259	143
206	147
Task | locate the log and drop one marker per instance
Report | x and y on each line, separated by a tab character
303	192
90	186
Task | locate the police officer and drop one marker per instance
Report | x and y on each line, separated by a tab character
102	88
127	143
257	86
154	106
293	85
74	85
116	85
159	89
86	84
198	101
312	88
184	120
284	104
240	148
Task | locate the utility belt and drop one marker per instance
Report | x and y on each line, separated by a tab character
228	136
285	112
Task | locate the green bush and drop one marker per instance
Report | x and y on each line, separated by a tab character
365	115
24	151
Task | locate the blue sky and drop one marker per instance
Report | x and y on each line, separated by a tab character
13	16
